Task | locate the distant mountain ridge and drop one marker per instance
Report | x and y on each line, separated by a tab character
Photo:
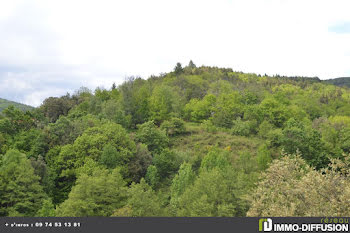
5	103
342	81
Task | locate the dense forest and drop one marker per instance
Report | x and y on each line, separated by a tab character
197	141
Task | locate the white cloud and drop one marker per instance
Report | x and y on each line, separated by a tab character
66	44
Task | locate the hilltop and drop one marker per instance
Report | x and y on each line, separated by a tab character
197	141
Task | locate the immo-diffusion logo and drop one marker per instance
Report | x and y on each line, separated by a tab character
265	224
332	225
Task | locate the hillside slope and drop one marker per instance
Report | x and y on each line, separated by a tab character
197	141
341	82
5	103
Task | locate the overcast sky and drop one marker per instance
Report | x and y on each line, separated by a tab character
49	48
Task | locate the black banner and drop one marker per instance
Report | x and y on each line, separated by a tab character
182	225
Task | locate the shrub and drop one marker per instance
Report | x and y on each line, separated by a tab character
240	127
173	127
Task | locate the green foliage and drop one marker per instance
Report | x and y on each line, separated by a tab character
173	127
6	126
164	103
298	137
220	87
143	201
31	142
40	167
253	113
289	187
93	140
166	162
4	142
152	176
98	194
274	138
249	98
155	139
54	107
199	110
20	191
118	152
91	144
242	128
227	108
274	111
216	158
139	163
345	81
264	129
246	162
111	157
66	129
135	94
263	157
178	68
113	111
102	94
47	209
210	195
15	121
60	133
63	174
180	183
191	65
209	126
6	103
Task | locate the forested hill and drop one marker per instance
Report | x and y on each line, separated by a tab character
5	103
197	141
343	81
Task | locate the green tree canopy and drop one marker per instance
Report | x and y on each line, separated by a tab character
155	139
290	187
97	194
210	195
20	191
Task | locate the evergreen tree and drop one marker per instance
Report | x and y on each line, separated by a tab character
191	64
178	68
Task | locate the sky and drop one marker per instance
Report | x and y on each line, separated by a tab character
49	48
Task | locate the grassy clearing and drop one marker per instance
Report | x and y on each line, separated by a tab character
198	141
